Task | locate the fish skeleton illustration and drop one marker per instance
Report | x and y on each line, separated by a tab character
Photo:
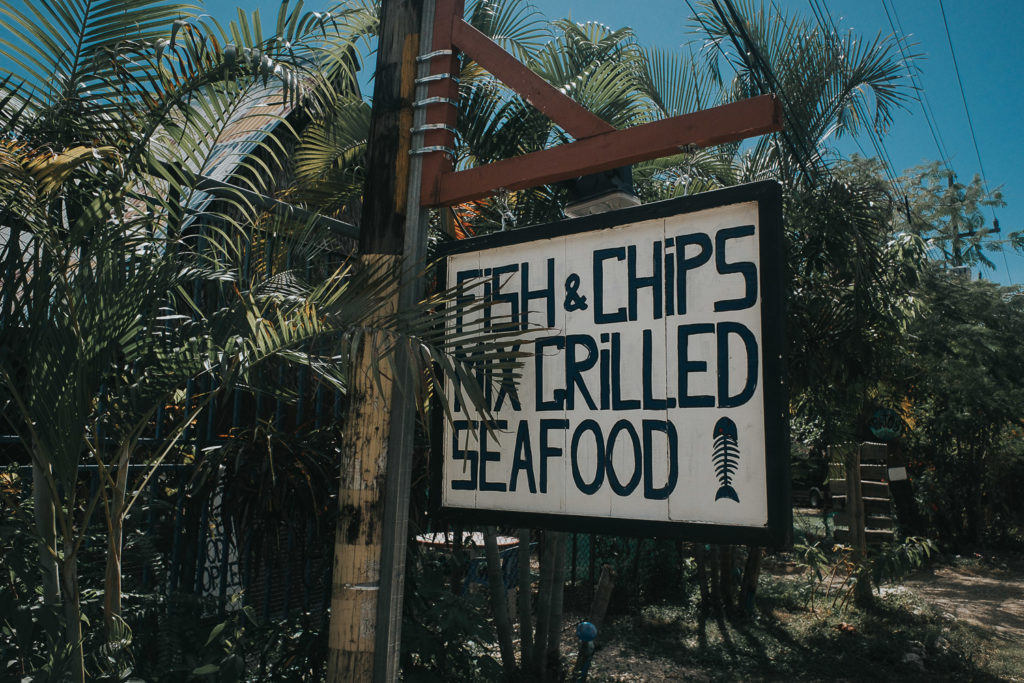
726	457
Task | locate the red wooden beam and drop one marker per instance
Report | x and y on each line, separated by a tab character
576	120
727	123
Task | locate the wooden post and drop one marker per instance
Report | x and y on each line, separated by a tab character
602	596
499	602
855	515
370	538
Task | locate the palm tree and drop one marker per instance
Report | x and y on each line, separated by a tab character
831	85
110	113
849	271
111	119
850	268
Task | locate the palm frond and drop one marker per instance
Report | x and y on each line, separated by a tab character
516	26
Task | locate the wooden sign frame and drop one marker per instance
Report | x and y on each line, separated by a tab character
777	525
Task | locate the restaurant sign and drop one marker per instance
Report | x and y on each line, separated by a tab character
652	398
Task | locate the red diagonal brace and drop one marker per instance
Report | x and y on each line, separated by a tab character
726	123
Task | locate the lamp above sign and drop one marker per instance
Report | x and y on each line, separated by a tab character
652	401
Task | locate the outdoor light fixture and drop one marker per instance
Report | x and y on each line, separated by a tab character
600	192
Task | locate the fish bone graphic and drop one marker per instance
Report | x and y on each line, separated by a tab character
726	457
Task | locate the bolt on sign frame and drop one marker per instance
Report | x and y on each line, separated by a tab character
652	399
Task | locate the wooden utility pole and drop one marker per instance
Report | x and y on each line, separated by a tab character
369	550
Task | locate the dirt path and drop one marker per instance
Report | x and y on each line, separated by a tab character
990	599
979	637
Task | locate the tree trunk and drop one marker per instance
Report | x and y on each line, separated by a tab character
525	591
72	610
635	582
602	596
115	546
499	602
458	566
715	592
112	579
700	556
727	567
544	593
46	527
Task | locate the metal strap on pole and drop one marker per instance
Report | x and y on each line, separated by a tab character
427	101
435	78
436	53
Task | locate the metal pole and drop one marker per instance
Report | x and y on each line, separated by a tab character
403	414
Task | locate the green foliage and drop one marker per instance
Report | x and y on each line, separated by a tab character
851	296
31	631
831	572
966	437
126	290
893	561
444	636
950	216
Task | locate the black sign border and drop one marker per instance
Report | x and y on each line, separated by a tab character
778	530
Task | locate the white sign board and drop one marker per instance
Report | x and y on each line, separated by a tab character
651	401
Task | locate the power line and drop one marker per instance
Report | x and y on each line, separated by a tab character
922	98
823	15
963	97
970	125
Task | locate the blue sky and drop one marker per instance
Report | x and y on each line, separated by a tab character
989	53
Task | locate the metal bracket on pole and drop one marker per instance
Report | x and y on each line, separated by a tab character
432	126
434	100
